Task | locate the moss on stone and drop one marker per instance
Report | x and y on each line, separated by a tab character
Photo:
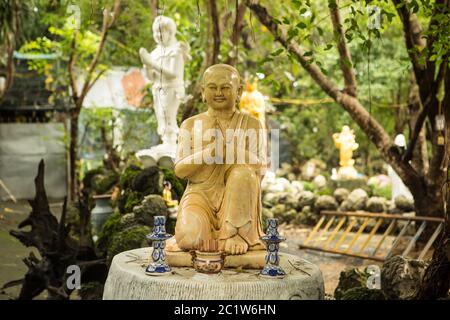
128	200
103	183
148	181
126	179
128	239
363	293
112	226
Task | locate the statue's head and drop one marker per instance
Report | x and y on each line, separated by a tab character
221	87
164	30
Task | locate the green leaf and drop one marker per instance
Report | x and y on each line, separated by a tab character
301	25
308	54
277	52
328	47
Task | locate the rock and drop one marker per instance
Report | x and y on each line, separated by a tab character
296	186
312	168
128	220
376	204
291	201
267	213
278	211
320	182
149	181
404	204
291	176
306	199
340	194
112	226
270	199
152	205
350	279
128	239
325	203
356	201
363	293
128	199
284	170
306	217
103	183
401	277
290	215
126	178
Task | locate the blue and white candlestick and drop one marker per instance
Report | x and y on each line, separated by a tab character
272	239
158	238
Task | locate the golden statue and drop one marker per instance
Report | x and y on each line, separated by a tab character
345	142
167	195
252	102
223	198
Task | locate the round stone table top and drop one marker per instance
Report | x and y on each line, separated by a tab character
127	281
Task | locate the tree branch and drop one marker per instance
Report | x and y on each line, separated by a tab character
107	24
345	62
239	24
212	11
375	132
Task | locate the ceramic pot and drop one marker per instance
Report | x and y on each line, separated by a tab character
101	211
208	262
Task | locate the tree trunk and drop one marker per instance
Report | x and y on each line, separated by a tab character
73	158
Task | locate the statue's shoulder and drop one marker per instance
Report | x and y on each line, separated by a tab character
252	122
189	122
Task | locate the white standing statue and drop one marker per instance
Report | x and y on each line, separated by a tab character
164	68
398	187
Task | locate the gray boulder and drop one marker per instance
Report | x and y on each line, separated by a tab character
376	204
306	199
320	181
356	201
401	277
278	211
341	194
325	203
152	205
404	204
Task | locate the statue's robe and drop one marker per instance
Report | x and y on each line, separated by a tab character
227	197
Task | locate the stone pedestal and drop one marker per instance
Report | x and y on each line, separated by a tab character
128	281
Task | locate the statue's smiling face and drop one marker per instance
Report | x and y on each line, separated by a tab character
220	88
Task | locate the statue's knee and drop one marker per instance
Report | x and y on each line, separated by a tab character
188	230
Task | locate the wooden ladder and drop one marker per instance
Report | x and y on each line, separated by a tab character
321	239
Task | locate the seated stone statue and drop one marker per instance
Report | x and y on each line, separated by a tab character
223	160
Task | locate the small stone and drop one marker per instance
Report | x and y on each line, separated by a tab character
296	186
356	201
376	204
340	194
325	203
404	204
152	205
320	182
270	199
278	211
306	199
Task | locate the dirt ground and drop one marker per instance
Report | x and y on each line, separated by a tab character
12	251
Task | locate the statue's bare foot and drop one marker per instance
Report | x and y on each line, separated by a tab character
236	245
